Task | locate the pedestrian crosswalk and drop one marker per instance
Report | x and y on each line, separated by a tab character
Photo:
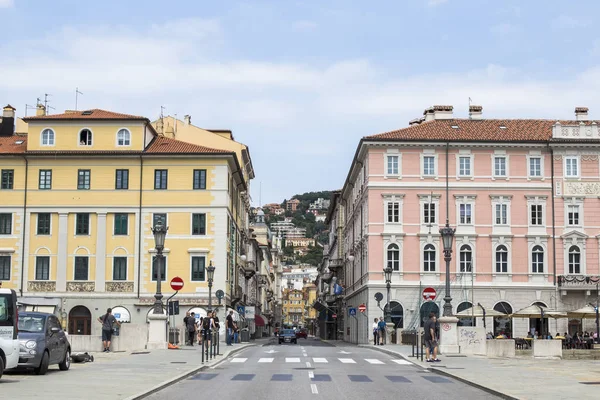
324	378
322	360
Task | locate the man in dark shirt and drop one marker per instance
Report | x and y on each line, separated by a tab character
107	321
191	328
229	327
430	338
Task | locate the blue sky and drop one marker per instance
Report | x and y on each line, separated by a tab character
301	82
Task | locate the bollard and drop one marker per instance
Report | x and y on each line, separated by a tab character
202	349
218	343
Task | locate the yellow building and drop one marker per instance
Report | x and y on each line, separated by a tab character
79	195
293	307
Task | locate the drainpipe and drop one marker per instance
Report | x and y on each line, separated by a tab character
23	228
141	233
553	216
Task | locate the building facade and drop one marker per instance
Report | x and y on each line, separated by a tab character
521	195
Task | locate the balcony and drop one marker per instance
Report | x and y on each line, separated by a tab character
335	264
578	282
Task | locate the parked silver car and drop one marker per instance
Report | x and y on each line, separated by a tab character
42	342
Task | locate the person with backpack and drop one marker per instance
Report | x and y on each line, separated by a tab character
207	325
381	326
107	321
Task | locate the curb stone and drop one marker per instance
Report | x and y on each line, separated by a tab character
444	373
183	376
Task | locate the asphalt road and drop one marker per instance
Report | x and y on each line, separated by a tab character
313	369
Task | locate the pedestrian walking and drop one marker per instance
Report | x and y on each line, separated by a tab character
431	339
375	331
191	328
107	321
185	319
235	332
199	330
229	327
381	330
216	323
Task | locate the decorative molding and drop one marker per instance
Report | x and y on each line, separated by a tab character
41	286
81	286
117	286
578	280
581	188
589	157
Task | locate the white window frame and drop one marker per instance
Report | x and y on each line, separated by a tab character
91	137
501	200
429	153
468	214
387	260
435	258
574	209
460	260
395	206
501	214
42	137
128	144
541	201
426	199
459	172
531	156
575	239
574	202
566	168
568	265
426	170
539	209
503	155
544	266
387	156
468	199
495	265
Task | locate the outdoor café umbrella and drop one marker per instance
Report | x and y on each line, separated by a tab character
585	312
535	311
478	311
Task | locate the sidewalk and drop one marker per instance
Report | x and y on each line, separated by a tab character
518	378
120	375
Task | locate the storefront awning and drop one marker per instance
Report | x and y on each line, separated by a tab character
36	308
259	320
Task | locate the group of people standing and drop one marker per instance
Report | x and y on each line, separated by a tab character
202	329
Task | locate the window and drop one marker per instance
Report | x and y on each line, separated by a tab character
121	224
7	178
501	259
573	215
536	214
119	268
198	224
5	268
393	211
123	137
42	268
574	260
428	165
83	179
82	224
160	179
198	268
464	166
429	258
465	214
81	268
85	137
47	137
571	167
122	179
466	258
501	214
43	223
392	165
45	182
429	213
155	262
5	224
199	179
537	259
393	257
535	166
159	219
499	166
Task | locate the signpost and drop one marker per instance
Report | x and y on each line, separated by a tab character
429	293
352	311
177	284
362	308
241	310
173	309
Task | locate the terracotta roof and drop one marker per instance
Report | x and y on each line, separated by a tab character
163	145
484	130
94	114
13	144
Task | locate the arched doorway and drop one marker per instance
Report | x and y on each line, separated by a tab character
536	324
397	314
80	321
465	321
426	308
503	325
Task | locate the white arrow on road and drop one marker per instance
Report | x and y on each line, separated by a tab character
271	351
344	352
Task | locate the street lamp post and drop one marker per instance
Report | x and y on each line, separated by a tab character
388	281
447	236
160	232
211	274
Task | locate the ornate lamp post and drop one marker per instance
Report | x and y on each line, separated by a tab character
388	281
447	236
211	275
160	232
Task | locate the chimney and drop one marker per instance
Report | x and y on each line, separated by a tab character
40	110
438	112
7	127
187	119
475	112
581	113
428	114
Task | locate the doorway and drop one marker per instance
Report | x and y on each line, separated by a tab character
426	308
80	321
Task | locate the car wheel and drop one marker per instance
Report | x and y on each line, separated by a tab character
66	363
43	368
1	367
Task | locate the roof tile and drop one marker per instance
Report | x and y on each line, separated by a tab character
13	144
94	114
166	145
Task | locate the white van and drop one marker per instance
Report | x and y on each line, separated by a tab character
9	344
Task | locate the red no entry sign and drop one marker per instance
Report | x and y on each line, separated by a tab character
362	308
429	293
177	283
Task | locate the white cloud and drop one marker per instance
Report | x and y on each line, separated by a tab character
6	3
435	3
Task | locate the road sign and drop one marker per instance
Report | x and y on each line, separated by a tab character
220	294
429	293
334	316
378	296
177	283
362	308
241	310
173	307
352	311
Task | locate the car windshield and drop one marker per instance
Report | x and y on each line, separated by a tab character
288	331
31	323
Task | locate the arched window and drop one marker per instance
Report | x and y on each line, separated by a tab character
393	257
123	137
465	320
503	325
427	308
85	137
574	260
466	258
537	259
397	314
501	258
429	258
47	137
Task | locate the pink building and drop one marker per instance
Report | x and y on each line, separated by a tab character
523	196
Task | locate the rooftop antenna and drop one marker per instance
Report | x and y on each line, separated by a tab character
162	120
470	101
29	107
77	92
175	127
46	101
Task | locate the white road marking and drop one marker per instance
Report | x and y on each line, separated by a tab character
402	362
266	360
304	355
373	361
347	360
239	360
344	352
292	360
311	374
271	351
313	388
320	360
308	364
